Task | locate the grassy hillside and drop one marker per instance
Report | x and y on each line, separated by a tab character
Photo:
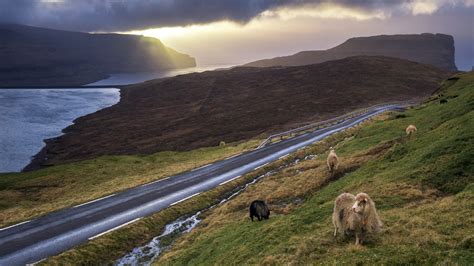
423	188
30	194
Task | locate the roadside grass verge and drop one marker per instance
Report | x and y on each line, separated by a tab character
110	247
423	187
27	195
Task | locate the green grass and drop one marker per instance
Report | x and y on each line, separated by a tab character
27	195
110	247
423	188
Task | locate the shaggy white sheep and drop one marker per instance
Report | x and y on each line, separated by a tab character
410	130
332	160
355	214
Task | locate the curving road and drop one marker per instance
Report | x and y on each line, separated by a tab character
34	240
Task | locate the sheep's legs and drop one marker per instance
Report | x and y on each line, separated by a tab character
359	239
335	231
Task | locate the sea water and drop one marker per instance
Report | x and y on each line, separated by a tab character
28	116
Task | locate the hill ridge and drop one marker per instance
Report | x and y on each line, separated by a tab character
181	113
427	48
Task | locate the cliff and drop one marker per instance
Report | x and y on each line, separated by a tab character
36	56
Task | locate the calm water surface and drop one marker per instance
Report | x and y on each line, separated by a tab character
28	116
130	78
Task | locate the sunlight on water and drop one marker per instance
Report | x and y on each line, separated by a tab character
131	78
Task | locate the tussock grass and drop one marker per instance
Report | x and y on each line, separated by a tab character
27	195
423	188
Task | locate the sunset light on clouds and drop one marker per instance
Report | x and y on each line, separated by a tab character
234	32
284	30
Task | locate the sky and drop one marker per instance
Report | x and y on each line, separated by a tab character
240	31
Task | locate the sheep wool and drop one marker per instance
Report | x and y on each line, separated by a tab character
332	160
410	130
355	214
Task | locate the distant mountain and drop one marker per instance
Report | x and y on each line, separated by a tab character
201	109
426	48
32	56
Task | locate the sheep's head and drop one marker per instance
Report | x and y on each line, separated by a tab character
362	201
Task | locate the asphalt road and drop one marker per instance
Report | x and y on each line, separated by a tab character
34	240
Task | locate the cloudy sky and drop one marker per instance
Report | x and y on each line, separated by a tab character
238	31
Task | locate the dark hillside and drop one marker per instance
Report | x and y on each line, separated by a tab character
31	56
431	49
199	110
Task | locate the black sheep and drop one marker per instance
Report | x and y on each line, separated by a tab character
259	209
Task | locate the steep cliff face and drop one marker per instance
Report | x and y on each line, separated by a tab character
37	56
426	48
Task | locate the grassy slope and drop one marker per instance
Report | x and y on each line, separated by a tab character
423	188
26	195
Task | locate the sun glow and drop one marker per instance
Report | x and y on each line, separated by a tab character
168	34
224	39
310	11
288	30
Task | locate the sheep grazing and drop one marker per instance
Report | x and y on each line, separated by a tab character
259	209
355	214
333	160
410	130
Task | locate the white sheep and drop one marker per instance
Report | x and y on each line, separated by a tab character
410	130
355	214
332	160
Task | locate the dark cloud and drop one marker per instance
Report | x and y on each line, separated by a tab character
123	15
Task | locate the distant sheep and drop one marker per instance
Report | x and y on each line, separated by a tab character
333	160
355	215
410	130
259	209
222	143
